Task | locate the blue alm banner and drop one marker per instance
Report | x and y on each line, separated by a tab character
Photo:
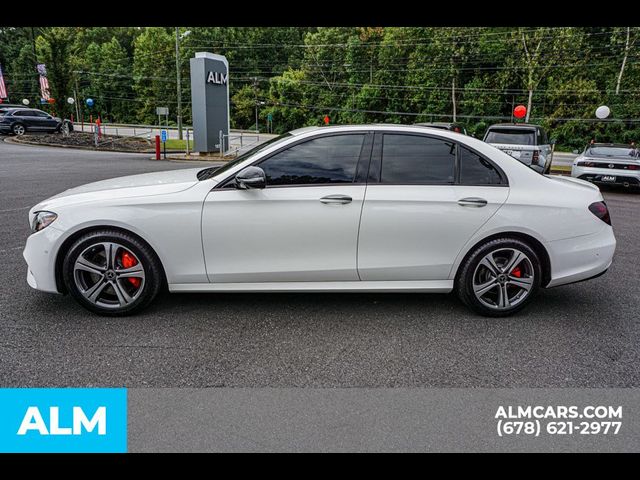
63	420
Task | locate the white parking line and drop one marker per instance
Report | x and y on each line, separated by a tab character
6	250
14	209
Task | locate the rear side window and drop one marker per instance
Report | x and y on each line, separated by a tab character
21	113
475	170
321	160
415	159
511	136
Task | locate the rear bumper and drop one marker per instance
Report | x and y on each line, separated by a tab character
595	175
581	258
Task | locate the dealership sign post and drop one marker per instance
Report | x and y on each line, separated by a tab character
209	101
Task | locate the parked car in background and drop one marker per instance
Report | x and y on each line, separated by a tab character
608	163
451	126
527	143
376	208
20	120
7	106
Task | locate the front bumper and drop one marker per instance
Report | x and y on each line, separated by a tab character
40	254
595	175
580	258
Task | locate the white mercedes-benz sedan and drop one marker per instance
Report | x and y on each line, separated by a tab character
379	208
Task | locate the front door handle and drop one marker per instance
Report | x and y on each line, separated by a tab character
336	199
472	202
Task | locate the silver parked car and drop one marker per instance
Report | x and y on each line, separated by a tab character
524	142
608	163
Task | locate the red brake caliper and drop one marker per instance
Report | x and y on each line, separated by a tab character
129	261
516	272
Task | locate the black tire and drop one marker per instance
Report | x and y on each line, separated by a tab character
465	279
153	277
16	128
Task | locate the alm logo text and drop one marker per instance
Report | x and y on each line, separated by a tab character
33	421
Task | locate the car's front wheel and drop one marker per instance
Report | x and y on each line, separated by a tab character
112	273
499	277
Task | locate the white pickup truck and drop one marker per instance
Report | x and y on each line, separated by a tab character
524	142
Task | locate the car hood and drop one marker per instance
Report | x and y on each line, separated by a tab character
157	183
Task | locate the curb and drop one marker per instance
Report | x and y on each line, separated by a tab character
12	140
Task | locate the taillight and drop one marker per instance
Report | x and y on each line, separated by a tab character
535	156
633	167
586	164
600	210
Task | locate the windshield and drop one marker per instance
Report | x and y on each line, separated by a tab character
511	136
212	171
622	152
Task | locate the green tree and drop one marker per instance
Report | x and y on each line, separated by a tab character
54	48
152	83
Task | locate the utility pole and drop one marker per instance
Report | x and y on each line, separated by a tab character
178	83
76	102
255	92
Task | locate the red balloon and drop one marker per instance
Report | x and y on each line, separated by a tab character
520	111
52	101
1	100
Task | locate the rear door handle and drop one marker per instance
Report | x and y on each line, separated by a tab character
472	202
336	199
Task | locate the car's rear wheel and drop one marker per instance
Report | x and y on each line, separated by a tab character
18	129
112	273
499	277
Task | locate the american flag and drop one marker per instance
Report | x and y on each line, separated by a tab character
44	83
3	89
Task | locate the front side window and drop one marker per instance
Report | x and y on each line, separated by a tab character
323	160
38	113
416	159
475	170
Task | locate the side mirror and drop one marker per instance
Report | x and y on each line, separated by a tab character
553	141
251	177
575	151
49	117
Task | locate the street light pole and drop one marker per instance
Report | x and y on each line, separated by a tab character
179	90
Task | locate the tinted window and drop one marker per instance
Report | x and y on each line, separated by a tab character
624	152
413	159
214	171
511	137
475	170
21	113
38	113
321	160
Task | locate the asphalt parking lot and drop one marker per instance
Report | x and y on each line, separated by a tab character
583	335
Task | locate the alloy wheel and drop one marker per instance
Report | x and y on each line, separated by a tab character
503	278
18	129
109	275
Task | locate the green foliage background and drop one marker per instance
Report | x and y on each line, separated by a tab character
353	74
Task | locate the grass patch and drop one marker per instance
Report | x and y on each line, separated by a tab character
175	144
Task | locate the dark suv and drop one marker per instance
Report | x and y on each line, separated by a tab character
20	120
524	142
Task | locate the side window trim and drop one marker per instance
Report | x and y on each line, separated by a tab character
363	156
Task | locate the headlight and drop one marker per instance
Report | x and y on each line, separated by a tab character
42	220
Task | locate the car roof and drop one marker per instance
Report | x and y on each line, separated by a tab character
436	124
367	126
